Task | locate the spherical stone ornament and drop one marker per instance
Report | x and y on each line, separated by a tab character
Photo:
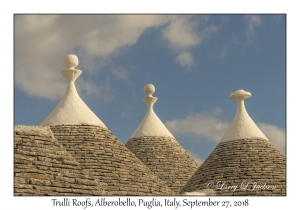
149	89
71	61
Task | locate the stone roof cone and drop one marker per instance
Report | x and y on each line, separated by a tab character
43	167
71	109
157	148
96	148
243	163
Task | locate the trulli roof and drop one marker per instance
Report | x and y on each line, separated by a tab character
157	148
243	163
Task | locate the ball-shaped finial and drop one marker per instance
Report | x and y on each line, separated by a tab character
149	89
71	61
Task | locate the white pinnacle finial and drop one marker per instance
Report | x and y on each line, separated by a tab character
151	124
240	94
242	125
71	110
71	74
71	61
149	89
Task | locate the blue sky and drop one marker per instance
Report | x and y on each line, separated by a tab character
194	62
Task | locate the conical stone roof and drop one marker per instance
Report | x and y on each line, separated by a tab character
243	163
157	148
96	148
43	167
85	136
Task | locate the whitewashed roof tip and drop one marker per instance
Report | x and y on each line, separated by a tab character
71	110
242	125
151	125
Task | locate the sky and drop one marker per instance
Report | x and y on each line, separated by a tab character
194	62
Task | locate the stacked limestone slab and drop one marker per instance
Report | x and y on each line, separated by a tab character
156	147
243	163
96	148
166	158
43	167
253	161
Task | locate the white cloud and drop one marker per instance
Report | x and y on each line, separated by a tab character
185	59
184	33
209	30
39	82
209	125
196	157
89	89
225	18
42	41
204	125
275	134
181	33
252	21
223	53
120	73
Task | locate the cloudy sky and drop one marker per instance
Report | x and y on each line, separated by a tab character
194	62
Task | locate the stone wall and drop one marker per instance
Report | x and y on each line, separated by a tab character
43	167
97	149
166	158
238	162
